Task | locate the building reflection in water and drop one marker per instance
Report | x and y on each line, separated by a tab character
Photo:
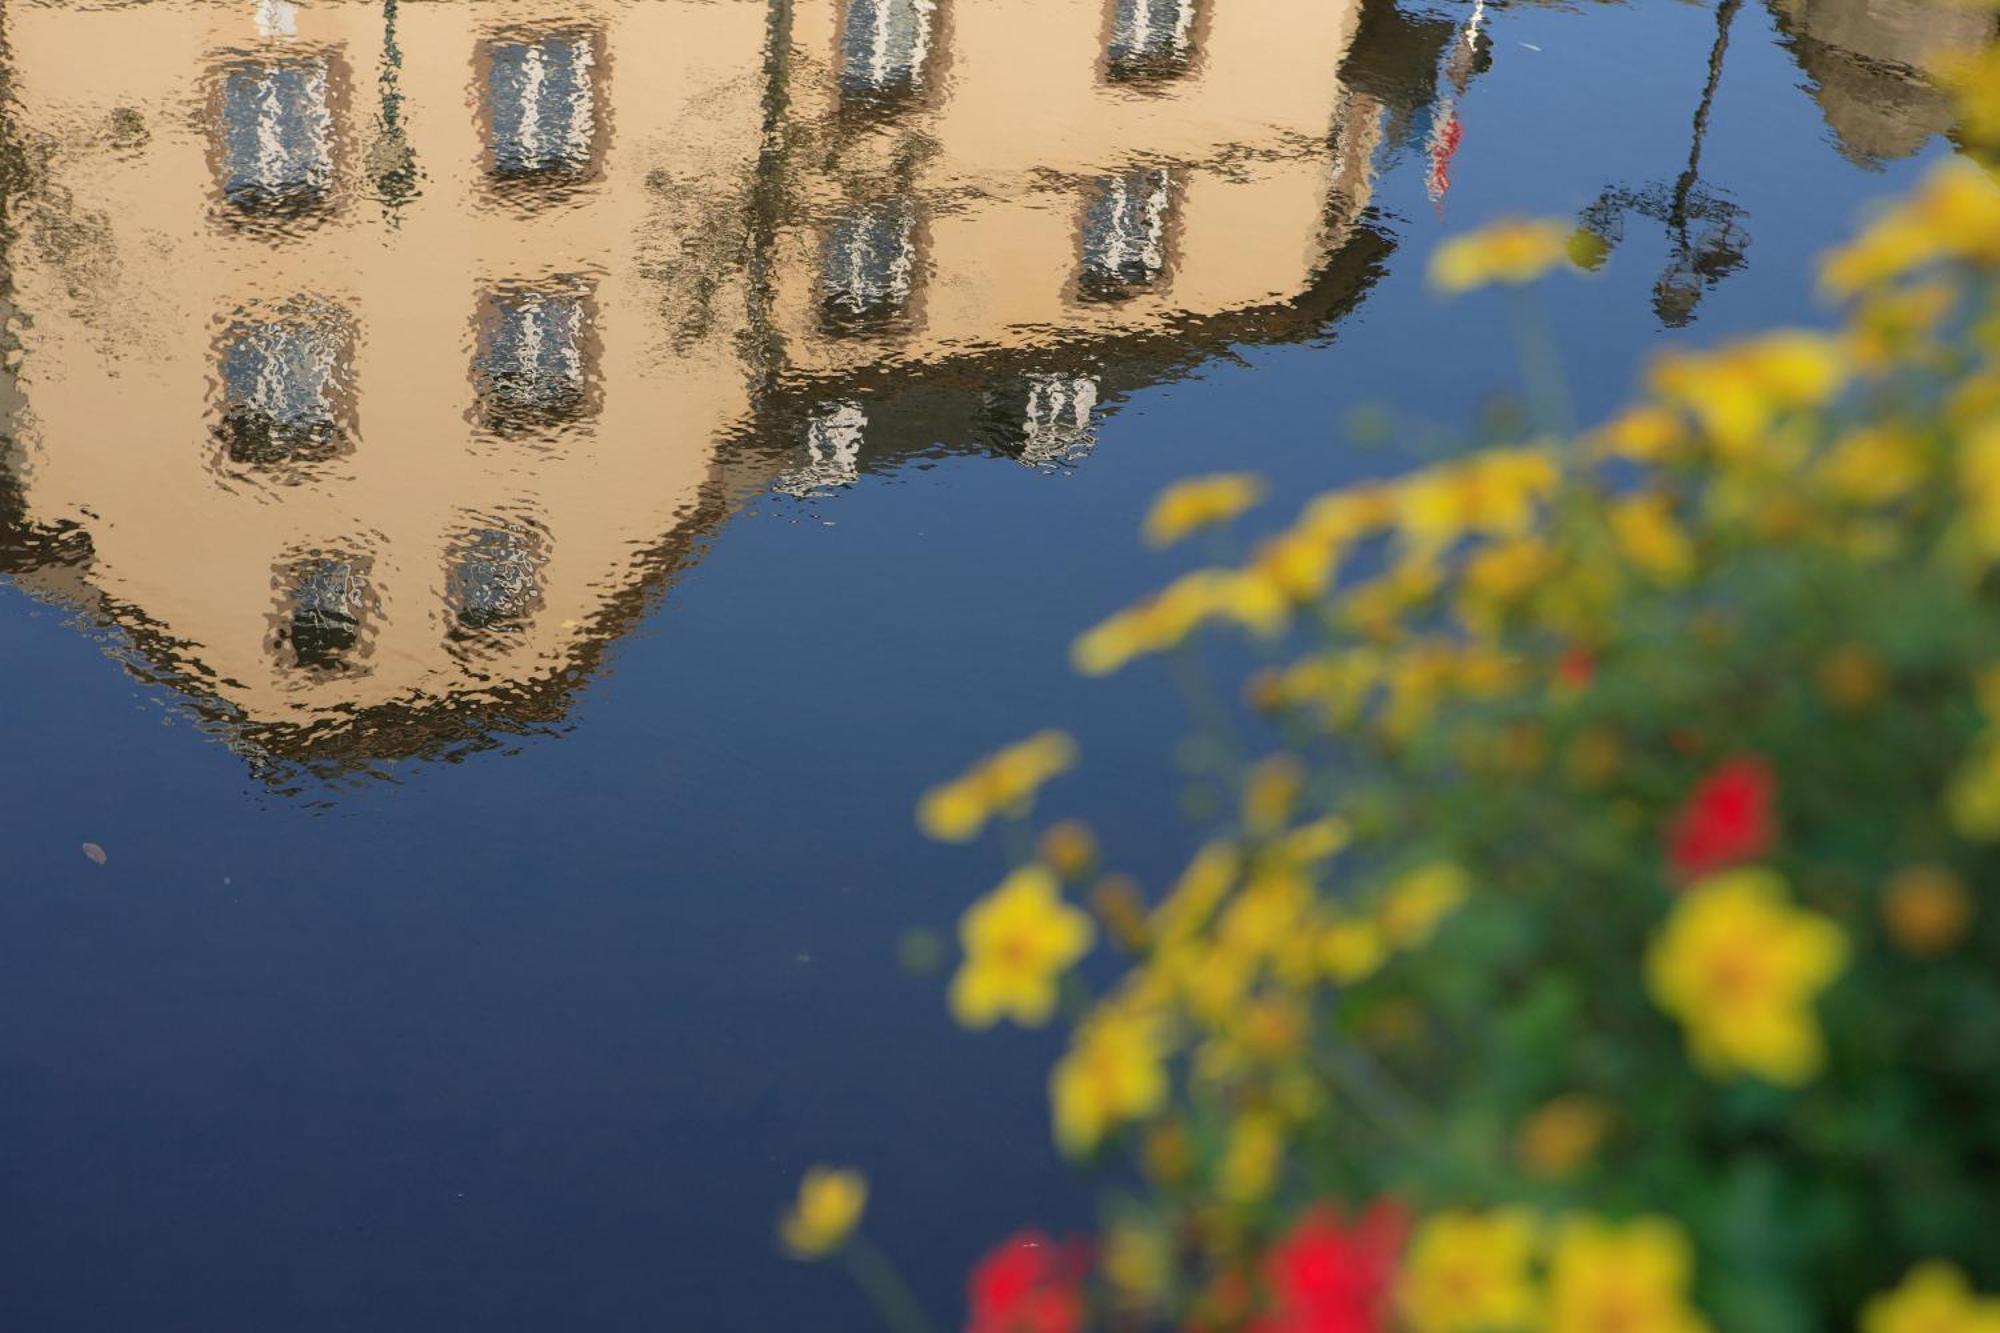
541	105
508	428
1150	38
493	585
870	266
1045	420
834	435
325	599
1873	66
883	48
1125	233
275	140
283	382
533	363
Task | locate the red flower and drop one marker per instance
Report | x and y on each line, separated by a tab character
1328	1276
1576	667
1727	819
1026	1284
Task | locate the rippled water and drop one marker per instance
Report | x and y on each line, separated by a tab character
502	505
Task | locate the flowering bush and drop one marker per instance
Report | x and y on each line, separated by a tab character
1601	946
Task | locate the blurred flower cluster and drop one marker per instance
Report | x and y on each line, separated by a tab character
1595	939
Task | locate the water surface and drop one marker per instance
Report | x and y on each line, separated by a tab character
503	504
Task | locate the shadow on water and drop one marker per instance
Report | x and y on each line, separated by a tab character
372	367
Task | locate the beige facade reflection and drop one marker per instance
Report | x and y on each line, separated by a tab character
1874	63
377	362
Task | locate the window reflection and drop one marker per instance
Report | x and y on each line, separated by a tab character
1150	38
493	584
275	134
325	600
533	365
1044	420
832	449
283	384
868	266
542	104
1125	234
883	46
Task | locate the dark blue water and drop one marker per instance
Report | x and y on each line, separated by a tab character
539	1035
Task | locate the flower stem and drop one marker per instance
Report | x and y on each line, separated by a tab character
1542	367
885	1288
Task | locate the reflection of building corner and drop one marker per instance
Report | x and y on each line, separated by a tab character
1872	66
442	453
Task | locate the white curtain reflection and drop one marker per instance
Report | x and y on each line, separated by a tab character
542	104
276	133
883	45
832	449
1125	233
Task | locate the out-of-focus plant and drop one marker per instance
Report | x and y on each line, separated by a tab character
1607	943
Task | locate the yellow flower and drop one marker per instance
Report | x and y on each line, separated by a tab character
1740	968
1018	940
1487	673
1309	844
1873	465
1986	688
1934	1298
1270	791
1953	215
1632	1278
1352	950
1973	798
1896	325
1338	519
1111	1074
1295	566
1495	491
1376	608
1200	502
1561	1135
1503	487
1274	1028
1646	532
1852	678
1416	683
1737	392
1508	571
1249	1164
1646	434
1975	79
1118	902
1927	910
1268	914
1254	600
1419	901
1213	983
1335	685
1069	848
1979	475
1209	876
1511	251
1171	615
1470	1273
1138	1263
829	1207
956	811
